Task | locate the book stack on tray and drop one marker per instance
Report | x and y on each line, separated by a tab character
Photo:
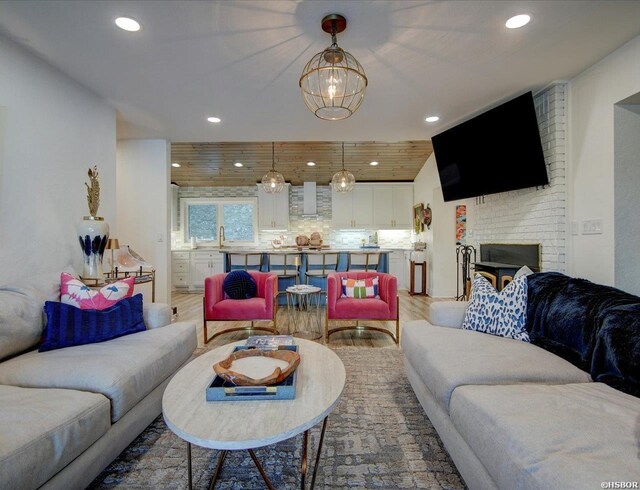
221	390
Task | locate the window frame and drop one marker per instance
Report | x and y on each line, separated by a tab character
219	202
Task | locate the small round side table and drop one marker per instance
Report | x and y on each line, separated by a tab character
303	311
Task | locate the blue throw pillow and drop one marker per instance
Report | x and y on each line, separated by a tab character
68	325
501	313
239	285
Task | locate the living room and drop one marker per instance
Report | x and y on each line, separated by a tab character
77	91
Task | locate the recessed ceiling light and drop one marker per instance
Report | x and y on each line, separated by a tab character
128	24
214	119
432	119
373	164
311	164
517	21
175	165
238	164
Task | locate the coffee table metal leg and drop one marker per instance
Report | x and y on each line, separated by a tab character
189	465
214	478
315	468
259	466
303	465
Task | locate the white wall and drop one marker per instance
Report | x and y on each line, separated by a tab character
441	238
627	198
54	130
144	207
593	95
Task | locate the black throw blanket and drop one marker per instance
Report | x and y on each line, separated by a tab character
595	327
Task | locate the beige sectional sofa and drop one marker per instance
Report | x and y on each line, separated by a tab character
513	415
66	414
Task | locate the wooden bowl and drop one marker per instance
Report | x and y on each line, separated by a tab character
223	370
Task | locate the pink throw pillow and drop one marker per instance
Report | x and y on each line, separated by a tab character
75	293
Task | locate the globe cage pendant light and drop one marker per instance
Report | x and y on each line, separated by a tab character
333	83
273	181
343	180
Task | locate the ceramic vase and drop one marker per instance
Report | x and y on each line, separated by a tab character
93	234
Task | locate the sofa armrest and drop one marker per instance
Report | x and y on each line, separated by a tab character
156	315
448	313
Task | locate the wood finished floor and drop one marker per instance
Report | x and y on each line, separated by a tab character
411	308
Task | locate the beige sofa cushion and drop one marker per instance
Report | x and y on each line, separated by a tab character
446	358
571	436
21	321
125	369
41	431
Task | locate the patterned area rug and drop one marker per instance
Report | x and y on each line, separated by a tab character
378	437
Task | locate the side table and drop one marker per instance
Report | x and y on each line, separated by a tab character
303	311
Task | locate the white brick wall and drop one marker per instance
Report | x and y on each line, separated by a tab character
532	215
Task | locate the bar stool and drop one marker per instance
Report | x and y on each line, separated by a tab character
320	265
245	261
285	266
363	261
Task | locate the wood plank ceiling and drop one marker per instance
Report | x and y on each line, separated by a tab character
212	164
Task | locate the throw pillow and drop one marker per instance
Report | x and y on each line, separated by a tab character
360	288
498	313
239	285
68	325
75	293
523	271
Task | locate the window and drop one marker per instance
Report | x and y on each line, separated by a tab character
203	217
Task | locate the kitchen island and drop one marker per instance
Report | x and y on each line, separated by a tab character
343	254
190	267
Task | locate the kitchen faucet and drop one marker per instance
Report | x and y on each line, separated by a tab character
221	236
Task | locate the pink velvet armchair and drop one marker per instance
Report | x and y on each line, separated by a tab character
385	308
219	307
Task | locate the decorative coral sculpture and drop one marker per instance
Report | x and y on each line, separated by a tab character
93	191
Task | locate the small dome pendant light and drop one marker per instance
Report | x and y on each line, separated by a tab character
343	180
273	181
333	82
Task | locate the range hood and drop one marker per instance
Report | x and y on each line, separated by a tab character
309	199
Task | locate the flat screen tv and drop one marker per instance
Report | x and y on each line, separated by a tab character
499	150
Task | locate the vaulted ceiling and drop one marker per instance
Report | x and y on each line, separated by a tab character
241	60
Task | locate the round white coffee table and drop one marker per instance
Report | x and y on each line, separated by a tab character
245	425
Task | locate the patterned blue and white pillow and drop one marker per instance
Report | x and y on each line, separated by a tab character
501	313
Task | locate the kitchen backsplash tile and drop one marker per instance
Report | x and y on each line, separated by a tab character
300	224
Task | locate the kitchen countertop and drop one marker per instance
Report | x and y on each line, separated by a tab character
292	250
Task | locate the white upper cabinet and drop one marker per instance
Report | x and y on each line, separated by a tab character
382	206
352	209
393	206
273	209
402	205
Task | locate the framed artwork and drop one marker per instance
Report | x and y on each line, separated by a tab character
418	213
461	224
427	216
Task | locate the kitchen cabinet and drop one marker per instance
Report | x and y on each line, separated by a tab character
203	265
402	205
352	209
273	209
397	267
393	206
180	269
190	268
